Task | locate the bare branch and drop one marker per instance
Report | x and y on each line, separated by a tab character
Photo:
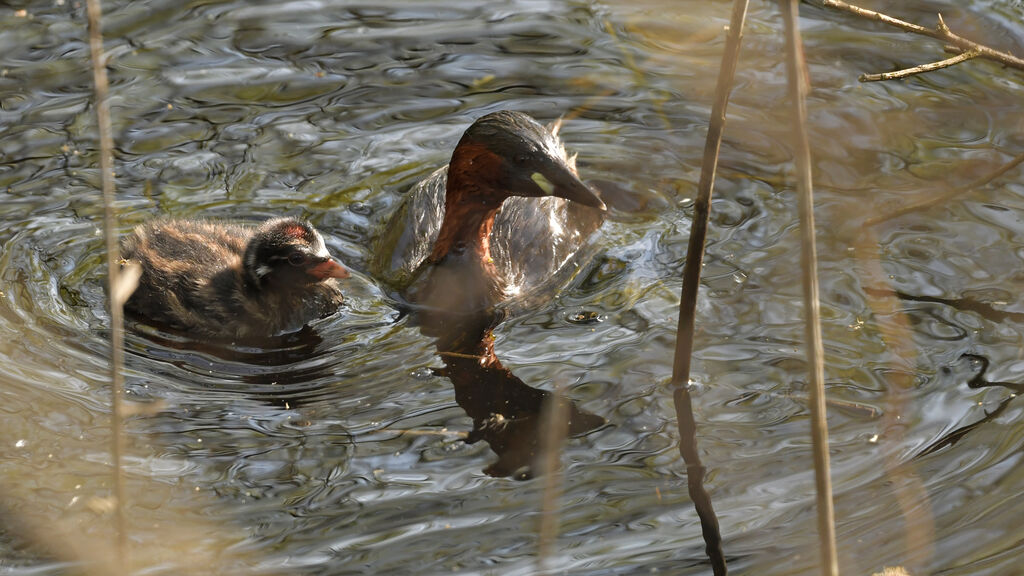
878	17
919	69
941	32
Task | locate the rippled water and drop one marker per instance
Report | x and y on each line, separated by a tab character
340	452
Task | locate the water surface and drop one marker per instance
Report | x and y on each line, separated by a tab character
340	452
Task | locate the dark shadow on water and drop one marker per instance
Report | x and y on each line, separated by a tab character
272	351
975	383
280	370
978	381
981	308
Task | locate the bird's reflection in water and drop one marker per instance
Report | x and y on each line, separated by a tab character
279	370
506	412
282	350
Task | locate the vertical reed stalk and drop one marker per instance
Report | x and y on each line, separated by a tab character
555	428
798	87
902	476
113	273
688	299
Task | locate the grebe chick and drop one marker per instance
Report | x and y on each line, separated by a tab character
221	280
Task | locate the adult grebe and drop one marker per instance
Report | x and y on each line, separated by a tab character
503	219
487	233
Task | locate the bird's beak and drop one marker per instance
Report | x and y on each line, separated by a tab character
329	268
557	179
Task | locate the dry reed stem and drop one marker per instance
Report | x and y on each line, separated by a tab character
889	215
702	206
62	541
555	418
940	32
117	288
798	87
894	327
688	298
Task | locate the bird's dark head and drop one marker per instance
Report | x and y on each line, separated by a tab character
507	154
287	252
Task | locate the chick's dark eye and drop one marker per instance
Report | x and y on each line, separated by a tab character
522	158
296	258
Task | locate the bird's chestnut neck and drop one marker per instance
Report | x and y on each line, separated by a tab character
471	203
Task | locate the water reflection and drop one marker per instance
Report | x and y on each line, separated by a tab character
282	350
976	382
506	412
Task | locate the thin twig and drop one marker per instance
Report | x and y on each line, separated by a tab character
435	433
461	355
947	196
941	32
798	86
863	410
688	299
116	288
896	75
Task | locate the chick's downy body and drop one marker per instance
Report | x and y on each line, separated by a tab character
216	279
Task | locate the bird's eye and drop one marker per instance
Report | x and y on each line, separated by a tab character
522	158
296	258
